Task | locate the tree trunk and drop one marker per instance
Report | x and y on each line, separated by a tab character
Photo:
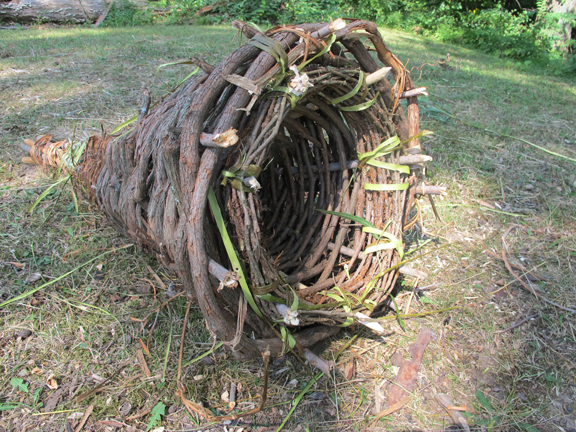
563	30
58	11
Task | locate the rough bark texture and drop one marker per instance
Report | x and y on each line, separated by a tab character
60	11
290	158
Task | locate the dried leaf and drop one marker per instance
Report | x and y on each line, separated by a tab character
317	362
244	83
34	277
125	409
405	381
51	383
349	370
378	397
144	347
24	333
142	362
53	400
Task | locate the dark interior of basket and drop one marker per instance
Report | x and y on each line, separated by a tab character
312	220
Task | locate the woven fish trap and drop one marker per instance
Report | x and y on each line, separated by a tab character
277	184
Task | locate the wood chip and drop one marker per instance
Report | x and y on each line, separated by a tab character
349	370
84	419
390	410
453	413
143	364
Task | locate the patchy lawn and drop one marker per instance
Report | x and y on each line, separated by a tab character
507	352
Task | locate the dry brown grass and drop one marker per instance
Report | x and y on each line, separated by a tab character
82	327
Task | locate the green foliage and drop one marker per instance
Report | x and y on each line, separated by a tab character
156	415
19	384
501	32
493	26
124	13
182	12
7	406
496	416
319	11
279	11
488	25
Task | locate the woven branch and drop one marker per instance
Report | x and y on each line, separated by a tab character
282	141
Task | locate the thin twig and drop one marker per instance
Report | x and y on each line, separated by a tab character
200	410
411	296
143	321
509	267
390	410
182	344
84	418
96	389
518	324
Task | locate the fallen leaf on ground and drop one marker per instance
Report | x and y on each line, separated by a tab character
33	278
405	381
51	383
53	400
317	362
24	333
125	408
142	362
378	397
349	370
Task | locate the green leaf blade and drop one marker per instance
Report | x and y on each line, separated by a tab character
19	384
230	251
404	169
351	217
352	93
361	107
386	187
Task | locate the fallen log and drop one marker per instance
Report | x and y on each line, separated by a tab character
59	11
205	181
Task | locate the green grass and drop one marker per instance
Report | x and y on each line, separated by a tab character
56	80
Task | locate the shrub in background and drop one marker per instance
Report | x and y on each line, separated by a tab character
279	11
493	26
124	13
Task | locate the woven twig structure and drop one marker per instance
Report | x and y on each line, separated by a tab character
291	123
